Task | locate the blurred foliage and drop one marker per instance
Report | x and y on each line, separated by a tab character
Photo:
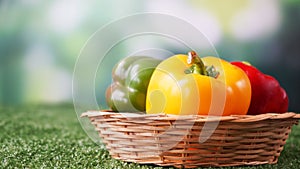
41	40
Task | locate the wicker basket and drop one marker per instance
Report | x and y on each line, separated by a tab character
169	140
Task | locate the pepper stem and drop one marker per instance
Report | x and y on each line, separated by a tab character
198	66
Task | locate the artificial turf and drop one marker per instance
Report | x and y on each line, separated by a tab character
50	136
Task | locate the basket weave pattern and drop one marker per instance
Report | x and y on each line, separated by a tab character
169	140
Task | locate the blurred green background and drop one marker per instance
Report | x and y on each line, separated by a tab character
41	40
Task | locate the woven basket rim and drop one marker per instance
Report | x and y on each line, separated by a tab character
200	118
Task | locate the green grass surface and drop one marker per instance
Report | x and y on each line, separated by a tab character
51	137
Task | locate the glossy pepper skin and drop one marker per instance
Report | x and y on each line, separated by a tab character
131	77
184	87
267	94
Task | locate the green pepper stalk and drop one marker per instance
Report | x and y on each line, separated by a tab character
198	66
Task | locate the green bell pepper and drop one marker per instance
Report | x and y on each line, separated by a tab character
131	77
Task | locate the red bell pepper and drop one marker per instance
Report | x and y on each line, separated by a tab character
267	94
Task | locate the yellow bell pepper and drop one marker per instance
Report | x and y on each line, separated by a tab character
188	85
